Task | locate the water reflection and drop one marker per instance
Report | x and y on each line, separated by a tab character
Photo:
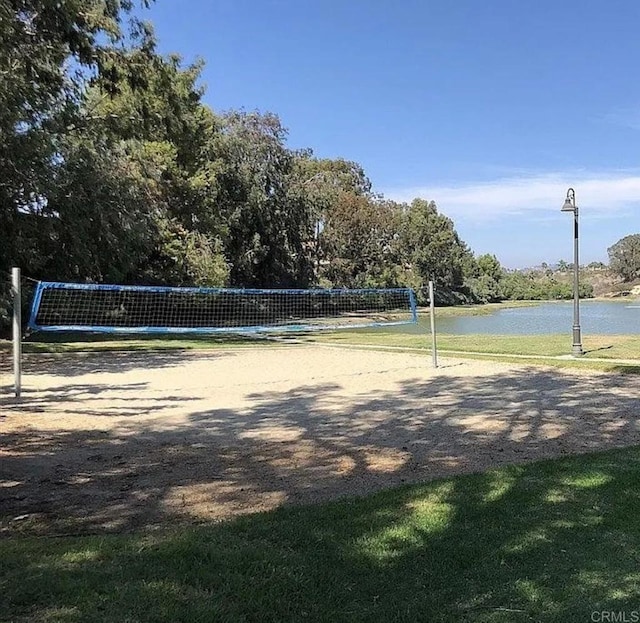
596	317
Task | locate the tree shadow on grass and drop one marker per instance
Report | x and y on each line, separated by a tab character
551	542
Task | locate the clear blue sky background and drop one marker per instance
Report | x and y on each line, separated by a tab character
492	109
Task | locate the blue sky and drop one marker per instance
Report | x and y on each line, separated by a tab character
491	109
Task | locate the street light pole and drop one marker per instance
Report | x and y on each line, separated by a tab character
570	206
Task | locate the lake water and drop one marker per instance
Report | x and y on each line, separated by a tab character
596	317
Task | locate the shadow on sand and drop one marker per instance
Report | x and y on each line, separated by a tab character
302	445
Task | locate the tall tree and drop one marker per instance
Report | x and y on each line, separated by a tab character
624	257
321	184
360	242
47	52
485	278
47	49
145	113
268	223
433	249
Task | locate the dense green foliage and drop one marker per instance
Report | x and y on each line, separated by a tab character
113	170
531	285
624	257
491	283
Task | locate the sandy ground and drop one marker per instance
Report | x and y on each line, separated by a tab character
117	441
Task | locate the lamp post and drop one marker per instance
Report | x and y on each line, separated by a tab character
570	206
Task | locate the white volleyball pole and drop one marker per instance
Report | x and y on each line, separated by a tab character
432	315
17	331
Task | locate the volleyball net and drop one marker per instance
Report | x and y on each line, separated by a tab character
106	308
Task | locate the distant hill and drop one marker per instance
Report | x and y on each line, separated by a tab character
605	283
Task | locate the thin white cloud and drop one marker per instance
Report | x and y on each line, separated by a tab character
598	195
626	117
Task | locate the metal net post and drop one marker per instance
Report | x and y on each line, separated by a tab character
432	316
17	331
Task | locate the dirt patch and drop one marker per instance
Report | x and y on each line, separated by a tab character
115	441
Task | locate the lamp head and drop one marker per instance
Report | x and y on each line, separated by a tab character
570	202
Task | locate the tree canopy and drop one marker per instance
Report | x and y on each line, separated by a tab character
624	257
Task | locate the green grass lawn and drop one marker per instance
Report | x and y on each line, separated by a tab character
596	346
509	347
550	542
